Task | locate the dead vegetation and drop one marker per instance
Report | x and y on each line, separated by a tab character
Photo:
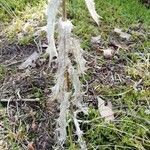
121	81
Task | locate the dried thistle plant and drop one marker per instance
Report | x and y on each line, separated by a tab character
68	96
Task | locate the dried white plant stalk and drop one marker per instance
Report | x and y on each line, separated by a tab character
91	7
63	60
78	55
79	133
66	45
77	97
60	89
53	6
62	120
52	11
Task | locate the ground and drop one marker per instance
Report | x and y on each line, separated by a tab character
123	79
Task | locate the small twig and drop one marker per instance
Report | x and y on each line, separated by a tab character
14	63
64	10
25	100
68	81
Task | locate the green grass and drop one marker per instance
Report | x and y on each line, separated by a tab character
115	13
21	19
131	130
11	9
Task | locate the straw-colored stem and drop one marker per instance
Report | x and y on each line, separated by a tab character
65	18
68	81
64	10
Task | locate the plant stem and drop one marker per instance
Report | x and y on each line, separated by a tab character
64	10
68	81
64	19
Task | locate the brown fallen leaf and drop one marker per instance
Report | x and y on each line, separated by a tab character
96	40
30	61
105	111
30	146
116	45
122	34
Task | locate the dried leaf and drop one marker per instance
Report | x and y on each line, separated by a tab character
30	146
117	30
91	7
108	53
30	61
105	111
117	45
122	34
96	40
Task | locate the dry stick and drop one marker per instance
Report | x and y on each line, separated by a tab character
64	19
64	10
67	73
68	80
24	100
